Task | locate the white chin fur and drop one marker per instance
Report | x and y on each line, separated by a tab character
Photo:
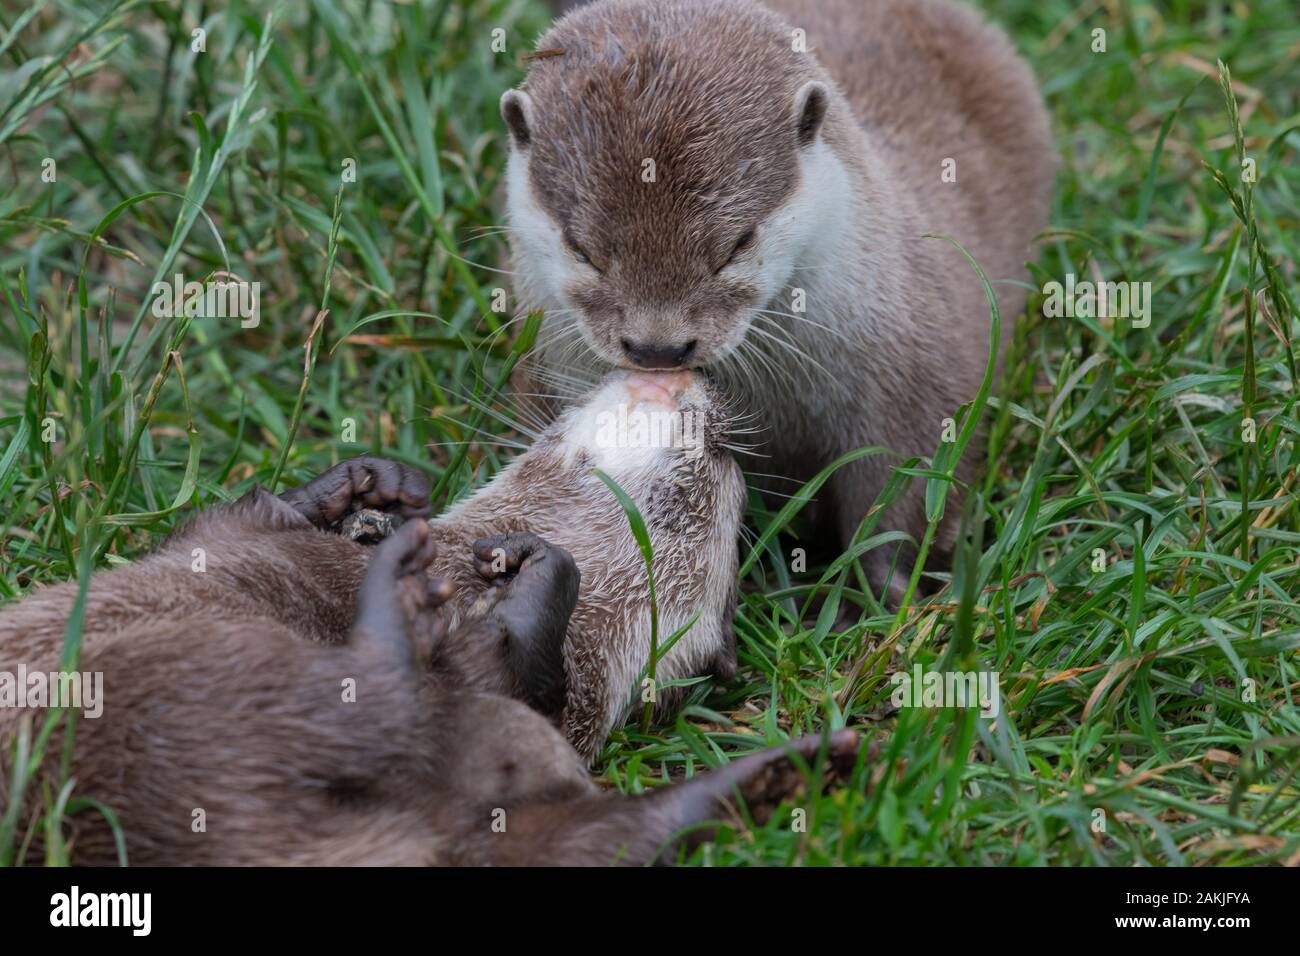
542	267
808	230
800	243
620	434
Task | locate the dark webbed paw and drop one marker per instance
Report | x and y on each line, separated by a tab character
542	582
365	482
397	589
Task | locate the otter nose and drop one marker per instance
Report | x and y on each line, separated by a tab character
658	356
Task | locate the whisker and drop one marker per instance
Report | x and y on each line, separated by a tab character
512	446
828	329
479	265
767	474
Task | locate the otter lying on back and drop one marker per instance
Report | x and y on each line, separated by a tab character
222	705
686	485
217	700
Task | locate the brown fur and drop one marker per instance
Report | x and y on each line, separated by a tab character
220	701
895	337
216	698
692	506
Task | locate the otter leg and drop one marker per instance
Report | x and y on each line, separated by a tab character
365	482
601	830
395	591
541	582
761	780
851	493
256	511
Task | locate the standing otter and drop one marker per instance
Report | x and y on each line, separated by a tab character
231	736
716	183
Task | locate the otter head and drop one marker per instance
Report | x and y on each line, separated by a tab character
668	175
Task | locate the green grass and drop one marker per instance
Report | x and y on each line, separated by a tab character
1122	688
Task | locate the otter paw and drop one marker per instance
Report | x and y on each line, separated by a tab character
396	589
769	782
542	578
500	556
365	482
541	582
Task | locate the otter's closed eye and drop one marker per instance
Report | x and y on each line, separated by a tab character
744	242
577	251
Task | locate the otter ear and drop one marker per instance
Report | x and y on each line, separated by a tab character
517	111
810	109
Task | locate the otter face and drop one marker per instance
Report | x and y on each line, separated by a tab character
663	191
